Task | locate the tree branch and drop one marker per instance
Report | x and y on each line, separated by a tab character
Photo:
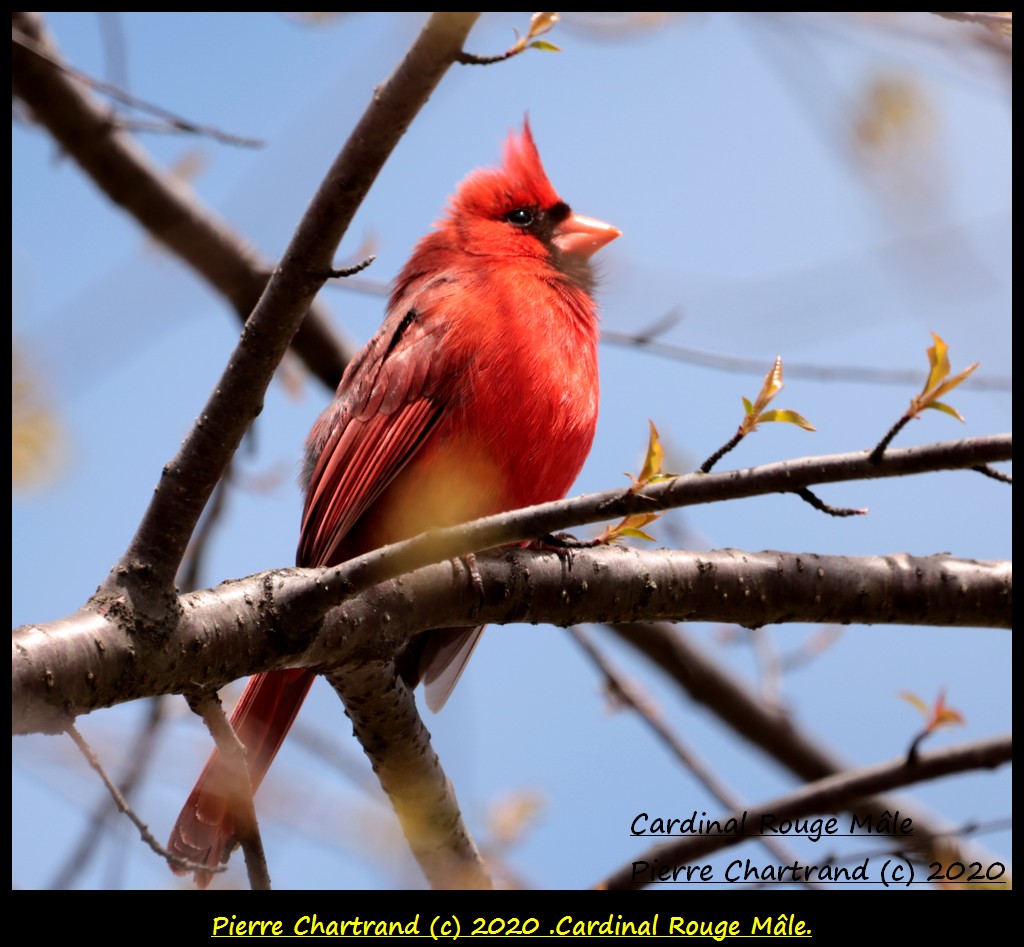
87	130
688	490
146	571
139	755
388	727
171	121
87	661
122	803
623	693
832	794
233	780
905	378
766	726
693	489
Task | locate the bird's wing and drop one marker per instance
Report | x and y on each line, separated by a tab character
388	403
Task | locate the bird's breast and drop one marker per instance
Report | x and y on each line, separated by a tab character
516	431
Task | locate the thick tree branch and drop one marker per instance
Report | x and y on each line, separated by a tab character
548	518
88	661
689	490
59	666
388	726
832	794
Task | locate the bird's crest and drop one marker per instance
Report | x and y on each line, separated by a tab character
520	180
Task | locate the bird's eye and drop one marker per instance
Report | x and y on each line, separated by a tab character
520	217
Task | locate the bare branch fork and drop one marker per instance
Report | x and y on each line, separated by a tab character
146	572
147	569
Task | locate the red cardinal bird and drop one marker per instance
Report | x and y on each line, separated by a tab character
478	395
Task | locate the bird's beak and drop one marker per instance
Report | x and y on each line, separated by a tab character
582	237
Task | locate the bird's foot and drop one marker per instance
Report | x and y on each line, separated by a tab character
476	581
560	542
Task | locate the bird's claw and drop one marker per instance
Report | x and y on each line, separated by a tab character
476	581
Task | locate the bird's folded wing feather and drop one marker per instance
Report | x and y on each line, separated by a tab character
388	404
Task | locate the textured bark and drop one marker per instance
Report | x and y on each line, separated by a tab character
89	660
388	726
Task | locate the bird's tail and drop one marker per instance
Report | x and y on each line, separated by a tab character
205	829
443	659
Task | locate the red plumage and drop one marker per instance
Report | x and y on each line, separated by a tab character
477	395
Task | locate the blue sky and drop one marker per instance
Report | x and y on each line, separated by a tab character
725	148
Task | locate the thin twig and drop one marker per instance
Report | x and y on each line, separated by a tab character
879	449
139	756
809	497
174	122
708	464
755	366
990	471
236	788
123	806
471	59
347	271
85	128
